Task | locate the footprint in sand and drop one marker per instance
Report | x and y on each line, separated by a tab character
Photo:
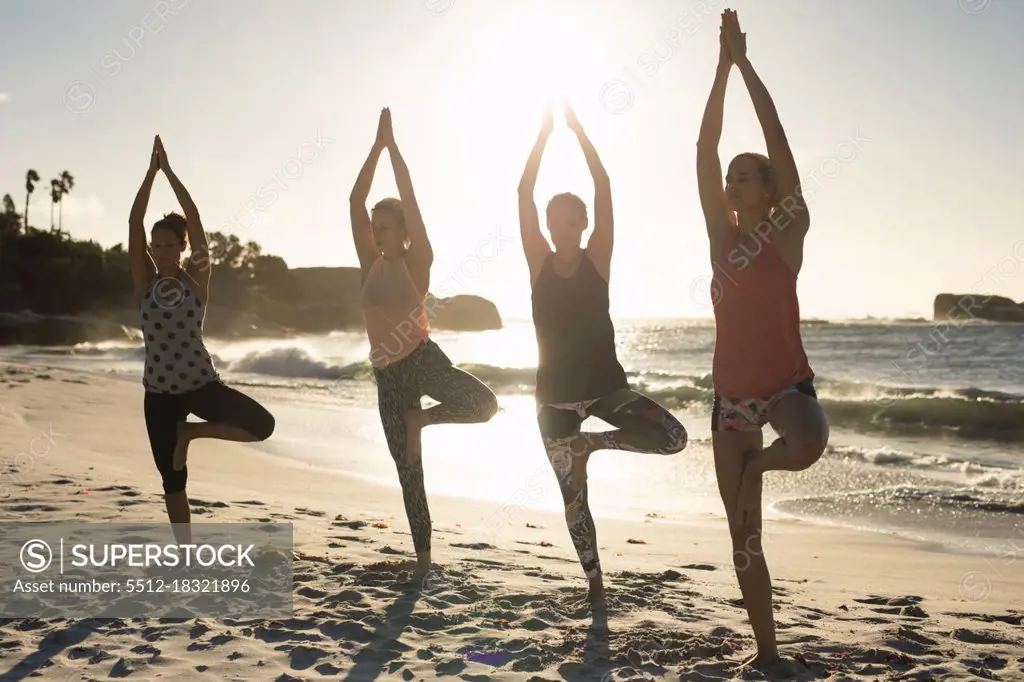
303	657
562	559
215	641
877	600
349	538
328	670
346	597
354	525
473	545
32	508
310	512
113	488
972	636
1012	619
210	505
347	630
908	641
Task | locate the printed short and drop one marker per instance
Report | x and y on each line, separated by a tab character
751	414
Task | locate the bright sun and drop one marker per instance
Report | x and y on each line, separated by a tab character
520	63
526	56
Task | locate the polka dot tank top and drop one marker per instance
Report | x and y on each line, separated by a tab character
172	324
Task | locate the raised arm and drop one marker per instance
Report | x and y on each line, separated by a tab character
143	268
199	266
797	218
709	168
362	230
599	246
420	255
534	244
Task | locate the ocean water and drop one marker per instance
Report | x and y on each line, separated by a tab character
927	423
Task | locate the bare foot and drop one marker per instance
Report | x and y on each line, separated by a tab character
413	436
424	576
763	662
181	449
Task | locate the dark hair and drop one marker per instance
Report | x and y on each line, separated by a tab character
767	173
394	207
570	199
176	223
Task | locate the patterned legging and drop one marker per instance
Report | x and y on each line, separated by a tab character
463	400
642	425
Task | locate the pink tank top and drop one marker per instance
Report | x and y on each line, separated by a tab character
758	349
396	319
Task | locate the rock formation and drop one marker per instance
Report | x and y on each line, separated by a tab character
963	307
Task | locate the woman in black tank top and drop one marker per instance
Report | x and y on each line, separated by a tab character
578	372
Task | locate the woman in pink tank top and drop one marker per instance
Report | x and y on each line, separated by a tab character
756	227
395	259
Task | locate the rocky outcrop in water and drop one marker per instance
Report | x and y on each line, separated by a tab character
963	307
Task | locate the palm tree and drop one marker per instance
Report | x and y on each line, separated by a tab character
31	178
67	183
55	194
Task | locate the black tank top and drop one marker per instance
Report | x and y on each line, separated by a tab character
575	336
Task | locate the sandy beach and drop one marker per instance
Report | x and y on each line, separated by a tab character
850	605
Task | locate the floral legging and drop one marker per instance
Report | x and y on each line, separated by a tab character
642	425
463	399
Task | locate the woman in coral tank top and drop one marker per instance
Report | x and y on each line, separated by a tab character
757	227
395	258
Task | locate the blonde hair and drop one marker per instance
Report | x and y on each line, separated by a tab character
767	174
394	207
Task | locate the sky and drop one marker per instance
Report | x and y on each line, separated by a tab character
904	119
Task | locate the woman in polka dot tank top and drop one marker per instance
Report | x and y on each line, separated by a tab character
179	376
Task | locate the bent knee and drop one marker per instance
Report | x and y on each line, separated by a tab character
264	428
807	451
488	407
677	438
667	440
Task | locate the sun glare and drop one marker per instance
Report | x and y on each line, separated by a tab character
521	63
525	58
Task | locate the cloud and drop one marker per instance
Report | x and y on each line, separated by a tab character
4	97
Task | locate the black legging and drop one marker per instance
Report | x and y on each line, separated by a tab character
215	403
